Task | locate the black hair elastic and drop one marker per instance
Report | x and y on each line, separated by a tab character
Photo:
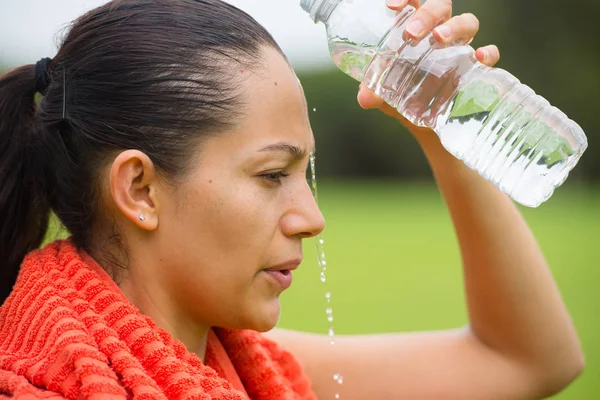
42	75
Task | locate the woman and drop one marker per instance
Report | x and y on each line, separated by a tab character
172	141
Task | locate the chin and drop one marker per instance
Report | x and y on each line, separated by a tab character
266	318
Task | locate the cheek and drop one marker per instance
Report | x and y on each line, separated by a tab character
225	222
237	213
231	231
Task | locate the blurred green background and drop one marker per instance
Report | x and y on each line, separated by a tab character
392	255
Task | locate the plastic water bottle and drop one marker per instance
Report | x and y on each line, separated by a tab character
483	115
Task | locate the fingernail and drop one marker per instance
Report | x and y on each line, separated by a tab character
444	31
415	27
396	3
485	55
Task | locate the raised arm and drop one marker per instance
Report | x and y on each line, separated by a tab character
521	343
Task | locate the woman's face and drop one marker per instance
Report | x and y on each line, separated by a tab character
232	233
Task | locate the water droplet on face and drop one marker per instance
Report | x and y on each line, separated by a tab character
332	342
336	377
340	380
337	395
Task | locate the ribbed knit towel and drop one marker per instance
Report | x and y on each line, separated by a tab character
67	331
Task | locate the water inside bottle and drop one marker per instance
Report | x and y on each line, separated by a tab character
496	125
351	58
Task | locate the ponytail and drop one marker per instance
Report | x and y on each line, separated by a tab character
24	212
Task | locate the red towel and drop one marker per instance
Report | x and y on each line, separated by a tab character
67	331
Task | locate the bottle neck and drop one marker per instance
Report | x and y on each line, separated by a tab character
320	10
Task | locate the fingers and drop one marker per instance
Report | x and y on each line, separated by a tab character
488	55
427	17
415	3
400	4
397	4
461	28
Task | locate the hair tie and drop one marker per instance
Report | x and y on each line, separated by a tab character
42	75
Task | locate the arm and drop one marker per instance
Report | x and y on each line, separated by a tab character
521	343
514	305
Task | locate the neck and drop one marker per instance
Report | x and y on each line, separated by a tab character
139	277
154	301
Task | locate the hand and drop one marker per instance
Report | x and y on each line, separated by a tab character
436	16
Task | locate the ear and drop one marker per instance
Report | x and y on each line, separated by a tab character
133	185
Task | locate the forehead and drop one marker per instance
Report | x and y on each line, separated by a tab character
275	106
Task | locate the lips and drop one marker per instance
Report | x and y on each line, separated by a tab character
281	274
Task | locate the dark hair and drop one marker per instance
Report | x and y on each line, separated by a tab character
151	75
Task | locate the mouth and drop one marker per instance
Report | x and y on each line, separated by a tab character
281	274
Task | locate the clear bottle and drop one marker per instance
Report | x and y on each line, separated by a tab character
483	115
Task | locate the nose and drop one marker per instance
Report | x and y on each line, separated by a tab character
303	218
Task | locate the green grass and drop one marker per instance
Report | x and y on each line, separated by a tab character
394	265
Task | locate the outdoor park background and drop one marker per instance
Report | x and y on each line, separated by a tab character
393	261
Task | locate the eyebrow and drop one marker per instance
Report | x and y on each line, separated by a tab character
295	151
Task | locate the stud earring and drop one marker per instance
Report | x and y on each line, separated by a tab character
142	217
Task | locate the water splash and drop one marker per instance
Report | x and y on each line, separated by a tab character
322	261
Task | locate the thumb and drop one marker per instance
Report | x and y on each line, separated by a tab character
367	99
